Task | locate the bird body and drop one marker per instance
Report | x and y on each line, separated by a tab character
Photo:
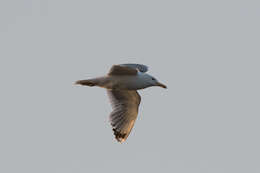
121	83
128	82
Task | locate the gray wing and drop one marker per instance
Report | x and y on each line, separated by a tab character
140	67
122	70
125	105
127	69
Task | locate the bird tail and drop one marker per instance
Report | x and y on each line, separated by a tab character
88	82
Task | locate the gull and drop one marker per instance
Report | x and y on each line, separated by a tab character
122	83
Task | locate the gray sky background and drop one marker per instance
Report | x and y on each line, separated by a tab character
207	52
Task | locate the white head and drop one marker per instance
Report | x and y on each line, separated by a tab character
152	81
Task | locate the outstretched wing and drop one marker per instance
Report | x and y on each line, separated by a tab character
127	69
125	105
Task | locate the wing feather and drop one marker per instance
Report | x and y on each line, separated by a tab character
125	105
127	69
139	67
120	70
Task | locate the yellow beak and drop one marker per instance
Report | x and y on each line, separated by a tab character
161	85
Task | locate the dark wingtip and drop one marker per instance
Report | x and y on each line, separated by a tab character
120	137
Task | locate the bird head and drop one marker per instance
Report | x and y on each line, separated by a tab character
154	82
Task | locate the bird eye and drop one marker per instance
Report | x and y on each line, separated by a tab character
153	78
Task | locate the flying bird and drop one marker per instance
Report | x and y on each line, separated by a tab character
121	84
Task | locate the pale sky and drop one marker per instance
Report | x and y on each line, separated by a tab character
206	52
